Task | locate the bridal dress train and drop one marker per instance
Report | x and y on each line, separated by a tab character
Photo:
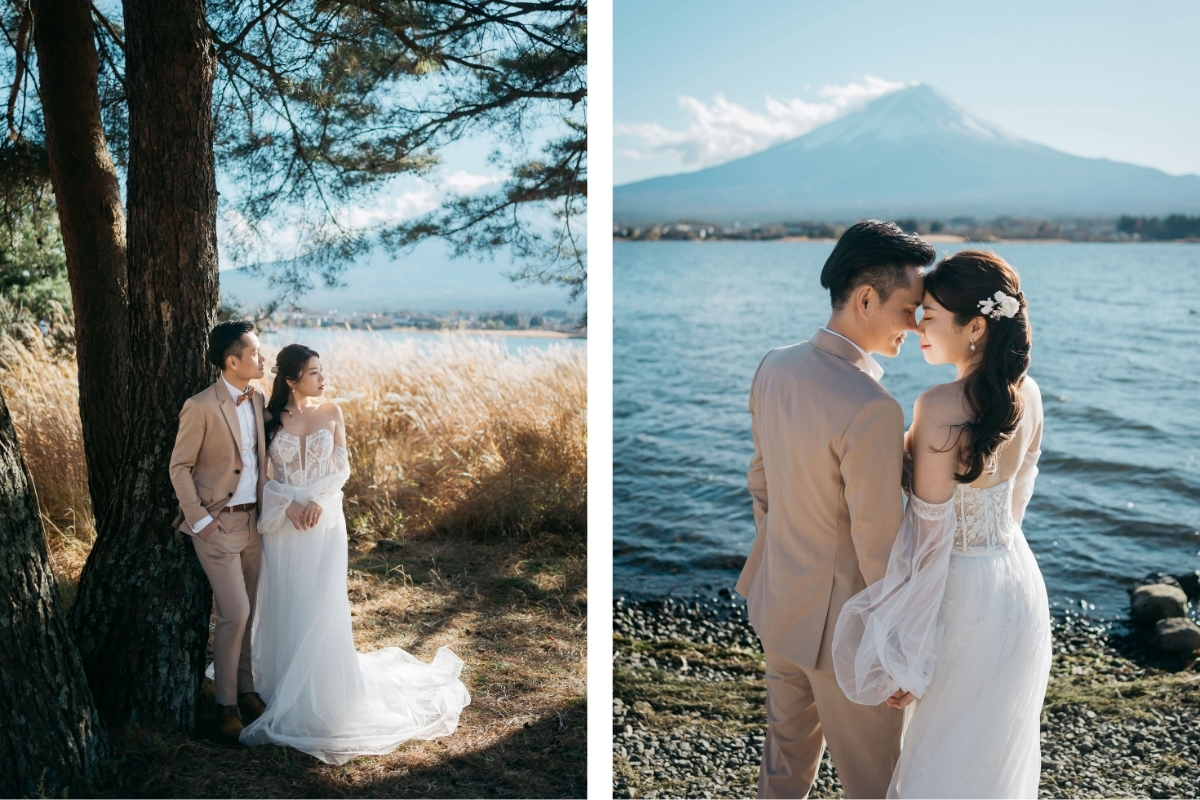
961	620
322	696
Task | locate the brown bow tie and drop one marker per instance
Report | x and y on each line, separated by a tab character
245	395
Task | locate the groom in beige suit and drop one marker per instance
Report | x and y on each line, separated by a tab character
218	469
825	482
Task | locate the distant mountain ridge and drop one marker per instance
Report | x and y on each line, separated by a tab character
913	152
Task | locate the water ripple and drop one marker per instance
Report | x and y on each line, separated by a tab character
1116	358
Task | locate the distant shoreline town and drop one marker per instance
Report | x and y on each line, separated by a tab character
550	324
1174	228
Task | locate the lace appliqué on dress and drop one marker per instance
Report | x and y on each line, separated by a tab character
300	466
985	522
935	512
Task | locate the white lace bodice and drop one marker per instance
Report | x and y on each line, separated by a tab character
887	635
301	463
984	521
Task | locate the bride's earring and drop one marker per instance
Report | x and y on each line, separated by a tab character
972	346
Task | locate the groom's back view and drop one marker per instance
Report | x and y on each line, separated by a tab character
825	482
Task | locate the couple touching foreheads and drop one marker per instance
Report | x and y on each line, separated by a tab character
865	603
275	552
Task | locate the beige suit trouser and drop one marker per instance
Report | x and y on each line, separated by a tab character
807	709
231	561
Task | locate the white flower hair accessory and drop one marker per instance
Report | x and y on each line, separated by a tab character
1000	305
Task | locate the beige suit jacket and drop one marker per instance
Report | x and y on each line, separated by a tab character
206	463
825	482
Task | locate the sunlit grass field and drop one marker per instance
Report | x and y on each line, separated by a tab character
469	461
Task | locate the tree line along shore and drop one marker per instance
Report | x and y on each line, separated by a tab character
1173	228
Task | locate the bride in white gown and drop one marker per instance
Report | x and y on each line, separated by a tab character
961	621
322	696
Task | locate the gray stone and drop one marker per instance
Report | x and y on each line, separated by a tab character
1157	601
1177	635
1159	577
388	545
1190	583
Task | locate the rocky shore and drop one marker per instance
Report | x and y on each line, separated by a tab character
1121	718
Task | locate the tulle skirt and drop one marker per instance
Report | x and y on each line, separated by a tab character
976	730
324	698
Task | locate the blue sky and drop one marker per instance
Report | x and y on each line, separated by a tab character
697	82
426	278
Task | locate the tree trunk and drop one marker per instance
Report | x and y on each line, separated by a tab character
92	221
51	741
141	614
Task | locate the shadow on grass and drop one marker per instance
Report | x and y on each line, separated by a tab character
544	758
458	583
514	611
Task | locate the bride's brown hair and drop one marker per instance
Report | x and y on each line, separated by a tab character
993	386
289	366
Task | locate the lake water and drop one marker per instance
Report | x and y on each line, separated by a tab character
1116	354
317	338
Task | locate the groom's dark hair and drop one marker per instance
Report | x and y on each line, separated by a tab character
226	340
875	253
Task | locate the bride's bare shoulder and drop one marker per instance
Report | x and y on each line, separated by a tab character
937	413
1032	395
941	404
330	410
1030	391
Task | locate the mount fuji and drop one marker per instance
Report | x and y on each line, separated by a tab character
913	152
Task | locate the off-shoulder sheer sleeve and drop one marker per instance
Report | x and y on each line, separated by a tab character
887	635
278	497
1023	485
329	488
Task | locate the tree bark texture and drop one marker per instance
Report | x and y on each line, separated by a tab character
51	742
88	198
141	613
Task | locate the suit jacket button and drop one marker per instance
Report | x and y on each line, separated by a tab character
231	494
237	472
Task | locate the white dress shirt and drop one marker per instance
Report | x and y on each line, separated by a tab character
247	488
873	368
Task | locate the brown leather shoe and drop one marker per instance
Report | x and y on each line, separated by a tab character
229	724
252	706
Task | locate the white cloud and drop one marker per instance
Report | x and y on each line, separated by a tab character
415	202
722	130
241	243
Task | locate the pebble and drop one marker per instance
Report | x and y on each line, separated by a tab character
1084	754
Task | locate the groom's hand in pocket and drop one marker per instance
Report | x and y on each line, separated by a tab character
297	514
211	528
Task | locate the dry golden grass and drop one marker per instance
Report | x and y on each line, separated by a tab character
42	391
471	462
462	436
